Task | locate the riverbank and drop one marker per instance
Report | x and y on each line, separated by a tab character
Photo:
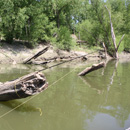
17	53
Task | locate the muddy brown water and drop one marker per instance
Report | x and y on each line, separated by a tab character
98	101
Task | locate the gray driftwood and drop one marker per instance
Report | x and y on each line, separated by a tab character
36	55
23	87
114	37
92	68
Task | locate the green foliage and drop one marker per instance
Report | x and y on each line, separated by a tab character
127	43
64	40
89	32
121	47
41	28
96	29
39	20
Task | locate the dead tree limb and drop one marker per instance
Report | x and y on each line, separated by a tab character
36	55
114	37
92	68
112	34
120	42
25	86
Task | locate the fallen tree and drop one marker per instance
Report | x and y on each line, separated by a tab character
36	55
92	68
23	87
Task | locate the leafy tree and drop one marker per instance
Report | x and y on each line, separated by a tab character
39	20
96	29
127	27
63	40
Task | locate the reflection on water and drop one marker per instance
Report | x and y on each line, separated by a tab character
100	100
24	108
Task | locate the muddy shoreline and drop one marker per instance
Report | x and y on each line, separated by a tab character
17	53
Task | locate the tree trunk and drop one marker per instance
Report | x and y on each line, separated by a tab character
92	68
23	87
115	55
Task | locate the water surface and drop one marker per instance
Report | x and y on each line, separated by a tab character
98	101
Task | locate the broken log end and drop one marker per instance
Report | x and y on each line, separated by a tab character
23	87
92	68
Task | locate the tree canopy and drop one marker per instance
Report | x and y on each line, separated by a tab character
55	20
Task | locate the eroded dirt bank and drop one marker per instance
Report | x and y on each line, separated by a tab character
17	53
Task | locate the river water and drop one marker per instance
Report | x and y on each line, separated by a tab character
97	101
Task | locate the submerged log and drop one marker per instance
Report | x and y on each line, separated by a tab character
23	87
92	68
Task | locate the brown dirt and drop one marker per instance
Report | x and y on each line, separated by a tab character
17	53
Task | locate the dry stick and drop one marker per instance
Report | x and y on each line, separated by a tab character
120	42
36	55
67	61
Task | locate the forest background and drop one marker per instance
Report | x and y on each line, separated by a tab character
53	21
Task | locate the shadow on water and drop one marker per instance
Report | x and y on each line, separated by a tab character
23	108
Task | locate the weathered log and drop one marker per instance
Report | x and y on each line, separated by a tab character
65	61
58	58
23	87
40	62
36	55
92	68
50	58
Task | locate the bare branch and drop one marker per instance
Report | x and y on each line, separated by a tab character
120	42
115	55
112	30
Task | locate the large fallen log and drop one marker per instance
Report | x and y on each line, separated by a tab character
92	68
36	55
23	87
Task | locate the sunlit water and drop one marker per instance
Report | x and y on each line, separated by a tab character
98	101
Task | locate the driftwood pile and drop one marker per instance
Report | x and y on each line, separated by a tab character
32	60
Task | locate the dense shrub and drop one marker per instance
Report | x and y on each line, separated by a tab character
64	40
127	43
